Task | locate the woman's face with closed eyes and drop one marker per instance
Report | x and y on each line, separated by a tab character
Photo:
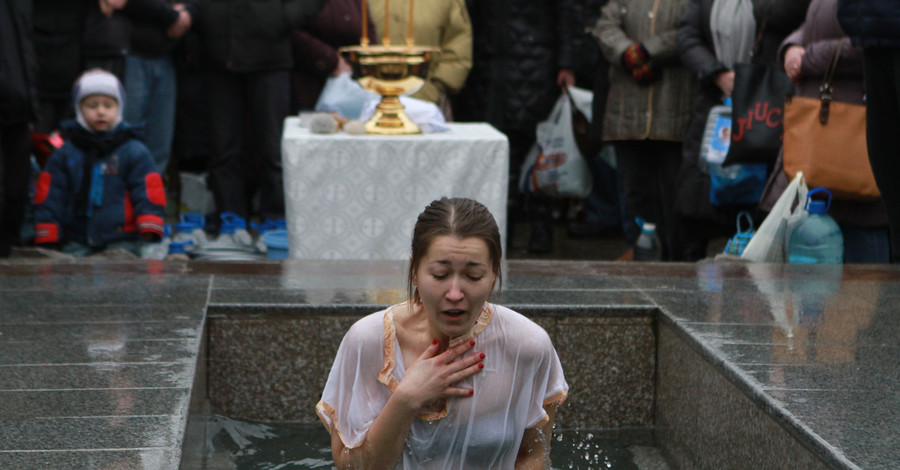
454	280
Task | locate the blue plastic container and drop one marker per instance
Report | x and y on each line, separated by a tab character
276	244
817	238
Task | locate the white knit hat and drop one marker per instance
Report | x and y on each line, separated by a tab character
98	82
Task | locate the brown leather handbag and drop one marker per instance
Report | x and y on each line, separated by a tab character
826	140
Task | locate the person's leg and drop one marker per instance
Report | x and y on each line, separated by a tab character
150	101
667	163
267	108
520	143
600	209
867	245
226	113
629	227
641	192
15	171
137	91
882	77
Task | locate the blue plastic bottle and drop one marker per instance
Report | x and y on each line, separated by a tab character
817	238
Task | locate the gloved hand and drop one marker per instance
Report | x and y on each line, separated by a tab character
636	56
646	74
637	60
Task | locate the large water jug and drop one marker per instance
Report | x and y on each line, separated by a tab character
647	246
817	238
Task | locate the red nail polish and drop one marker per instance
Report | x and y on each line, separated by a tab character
472	343
471	392
481	365
482	355
434	342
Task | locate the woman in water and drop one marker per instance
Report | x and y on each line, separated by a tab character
445	379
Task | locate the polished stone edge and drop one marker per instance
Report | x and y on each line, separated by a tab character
192	448
545	310
832	456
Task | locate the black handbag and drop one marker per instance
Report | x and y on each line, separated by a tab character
757	113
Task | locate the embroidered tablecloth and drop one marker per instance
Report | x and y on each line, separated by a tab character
357	197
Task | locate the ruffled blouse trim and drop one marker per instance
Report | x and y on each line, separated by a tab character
390	340
324	409
557	399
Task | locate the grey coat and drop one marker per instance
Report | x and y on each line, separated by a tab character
661	110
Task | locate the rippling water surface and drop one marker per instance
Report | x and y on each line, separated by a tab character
274	446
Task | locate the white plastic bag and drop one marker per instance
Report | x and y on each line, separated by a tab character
424	114
769	244
555	167
344	96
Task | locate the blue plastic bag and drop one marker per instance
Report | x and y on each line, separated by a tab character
344	96
736	185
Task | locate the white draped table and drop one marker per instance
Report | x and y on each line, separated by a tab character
357	197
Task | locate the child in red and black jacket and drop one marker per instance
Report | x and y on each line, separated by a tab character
101	189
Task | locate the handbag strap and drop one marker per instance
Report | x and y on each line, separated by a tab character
826	90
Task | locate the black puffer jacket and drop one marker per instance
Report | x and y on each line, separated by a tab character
779	18
150	24
252	35
18	98
58	30
519	48
871	22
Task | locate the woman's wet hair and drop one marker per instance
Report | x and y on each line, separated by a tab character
456	217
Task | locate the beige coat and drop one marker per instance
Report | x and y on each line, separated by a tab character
439	23
661	110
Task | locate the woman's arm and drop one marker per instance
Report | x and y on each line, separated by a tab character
534	452
609	33
430	378
697	54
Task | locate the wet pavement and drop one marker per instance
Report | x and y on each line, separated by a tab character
98	357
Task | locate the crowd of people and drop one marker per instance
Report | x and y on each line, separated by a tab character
206	86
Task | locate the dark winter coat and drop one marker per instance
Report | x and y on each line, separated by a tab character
315	48
151	22
871	22
58	32
140	27
518	49
18	68
125	198
775	19
252	35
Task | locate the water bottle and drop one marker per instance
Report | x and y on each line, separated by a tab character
817	238
716	136
647	247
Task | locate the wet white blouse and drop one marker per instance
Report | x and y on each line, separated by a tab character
521	374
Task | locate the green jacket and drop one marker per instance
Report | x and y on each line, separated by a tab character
252	35
661	110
